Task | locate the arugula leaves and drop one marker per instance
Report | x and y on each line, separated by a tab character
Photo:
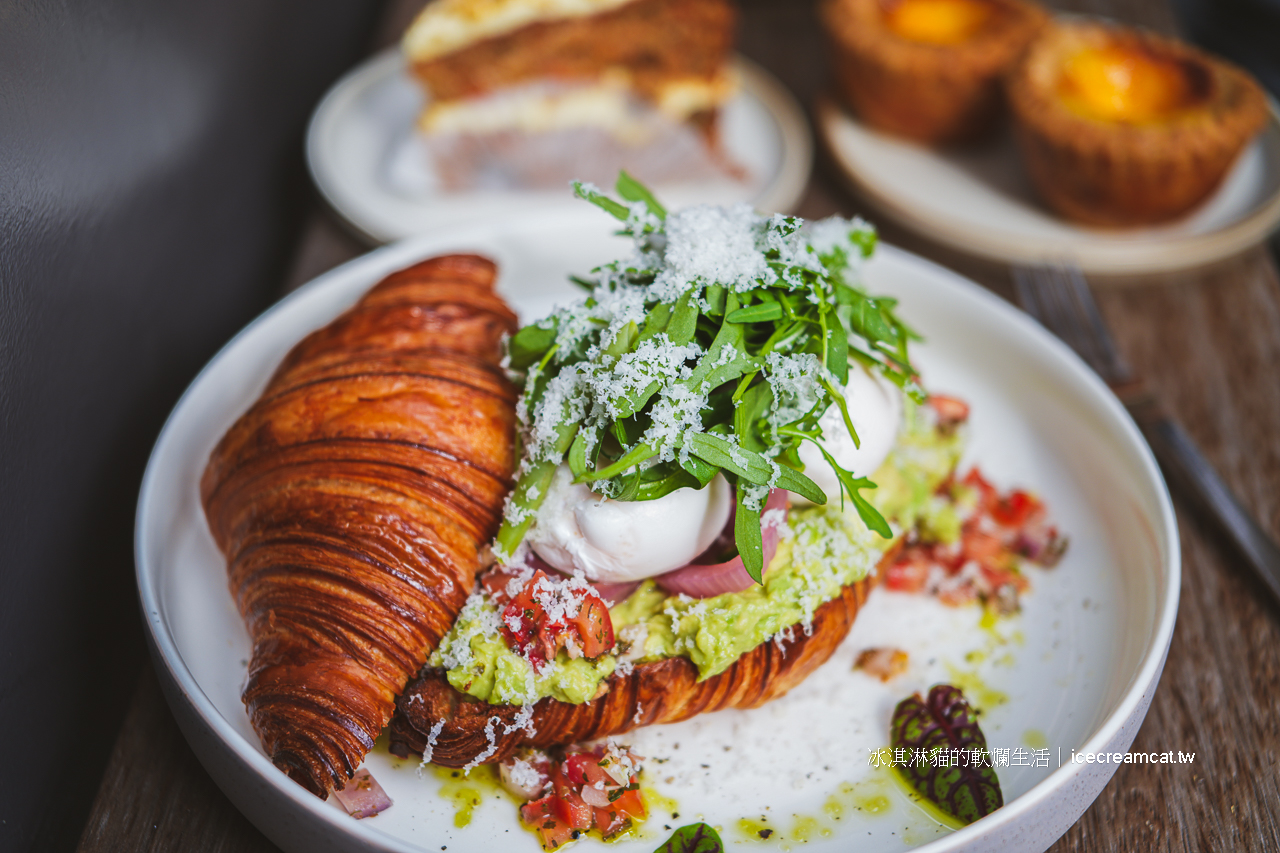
945	723
715	348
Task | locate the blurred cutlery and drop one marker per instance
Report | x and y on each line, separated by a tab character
1059	297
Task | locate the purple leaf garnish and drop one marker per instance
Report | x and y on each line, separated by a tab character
694	838
949	763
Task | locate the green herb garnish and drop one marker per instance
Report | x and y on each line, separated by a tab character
714	349
950	764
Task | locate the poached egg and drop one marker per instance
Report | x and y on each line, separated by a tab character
875	407
613	541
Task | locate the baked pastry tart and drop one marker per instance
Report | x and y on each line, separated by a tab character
1120	127
929	70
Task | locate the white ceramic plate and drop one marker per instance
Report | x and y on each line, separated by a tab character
373	169
980	201
1078	667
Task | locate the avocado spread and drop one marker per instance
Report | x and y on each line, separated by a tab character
822	549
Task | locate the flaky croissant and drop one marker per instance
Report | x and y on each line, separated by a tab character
351	502
459	730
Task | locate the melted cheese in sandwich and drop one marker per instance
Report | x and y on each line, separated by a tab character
448	25
608	103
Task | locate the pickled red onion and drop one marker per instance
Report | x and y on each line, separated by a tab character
706	580
612	593
363	796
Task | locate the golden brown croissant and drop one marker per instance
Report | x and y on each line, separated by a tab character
664	691
351	501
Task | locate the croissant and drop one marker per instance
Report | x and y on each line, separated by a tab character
459	729
351	502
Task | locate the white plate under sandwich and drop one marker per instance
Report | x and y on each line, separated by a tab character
1076	670
373	167
980	201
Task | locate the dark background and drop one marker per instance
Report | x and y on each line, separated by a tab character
151	189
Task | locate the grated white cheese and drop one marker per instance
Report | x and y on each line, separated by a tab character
618	763
735	451
479	619
675	415
523	774
635	636
755	496
708	244
491	735
523	720
430	749
796	383
782	638
777	518
827	235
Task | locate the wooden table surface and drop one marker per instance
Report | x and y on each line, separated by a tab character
1208	341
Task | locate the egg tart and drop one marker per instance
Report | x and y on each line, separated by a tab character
1120	127
929	70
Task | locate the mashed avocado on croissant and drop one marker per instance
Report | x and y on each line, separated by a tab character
824	549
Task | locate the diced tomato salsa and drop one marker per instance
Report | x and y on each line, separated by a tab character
545	616
951	411
909	574
607	775
999	531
